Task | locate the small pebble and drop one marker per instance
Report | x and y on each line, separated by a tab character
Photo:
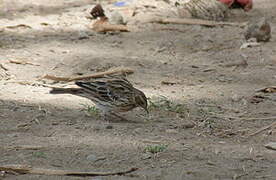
187	126
116	18
173	131
109	127
83	35
146	156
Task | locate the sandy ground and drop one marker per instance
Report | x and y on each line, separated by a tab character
202	120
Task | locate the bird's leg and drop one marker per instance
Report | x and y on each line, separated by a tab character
106	116
110	116
118	117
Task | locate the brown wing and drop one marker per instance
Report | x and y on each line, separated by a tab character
114	90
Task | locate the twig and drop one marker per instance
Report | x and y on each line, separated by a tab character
262	129
261	118
3	67
96	75
22	62
192	21
21	169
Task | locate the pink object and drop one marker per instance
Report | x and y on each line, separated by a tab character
245	4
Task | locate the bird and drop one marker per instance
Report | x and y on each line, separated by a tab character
258	29
112	94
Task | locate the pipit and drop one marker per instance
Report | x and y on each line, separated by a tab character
111	94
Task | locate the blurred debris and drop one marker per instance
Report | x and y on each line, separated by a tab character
258	29
203	9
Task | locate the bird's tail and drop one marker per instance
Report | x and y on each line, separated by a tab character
75	91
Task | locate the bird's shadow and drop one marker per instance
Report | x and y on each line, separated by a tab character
122	119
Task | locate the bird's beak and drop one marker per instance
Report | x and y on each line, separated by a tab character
147	111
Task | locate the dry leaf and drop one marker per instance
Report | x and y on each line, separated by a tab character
166	82
19	26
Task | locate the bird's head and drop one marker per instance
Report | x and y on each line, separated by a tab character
141	100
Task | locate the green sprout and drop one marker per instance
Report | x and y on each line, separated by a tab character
91	110
155	148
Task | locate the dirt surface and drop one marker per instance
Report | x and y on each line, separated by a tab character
201	84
